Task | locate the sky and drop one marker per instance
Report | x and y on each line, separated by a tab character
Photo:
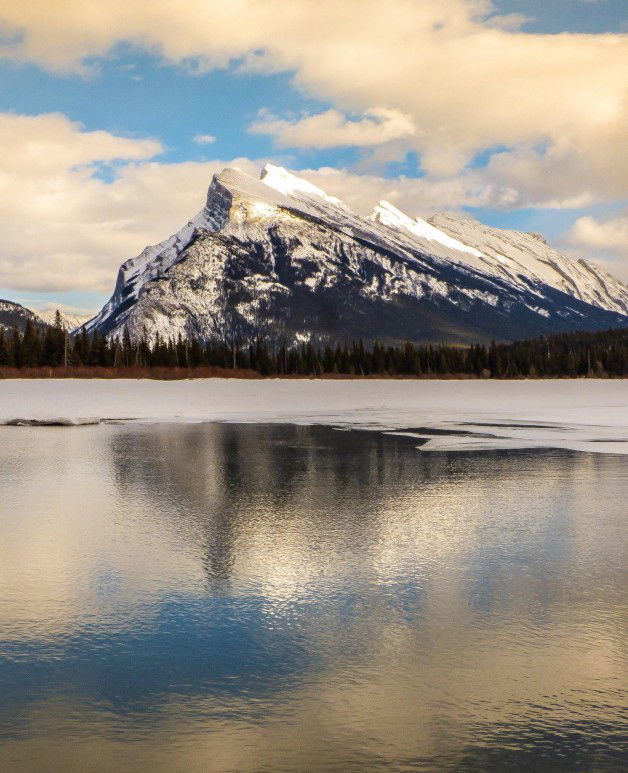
114	116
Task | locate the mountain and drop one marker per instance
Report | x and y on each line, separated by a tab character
515	255
68	321
279	257
15	316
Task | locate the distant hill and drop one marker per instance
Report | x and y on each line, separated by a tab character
15	316
68	321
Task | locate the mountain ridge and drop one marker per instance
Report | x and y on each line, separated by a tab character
15	316
277	256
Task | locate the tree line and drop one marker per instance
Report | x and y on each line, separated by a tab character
597	354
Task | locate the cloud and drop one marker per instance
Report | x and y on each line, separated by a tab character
439	66
605	240
45	144
332	129
609	235
509	21
465	78
204	139
414	196
63	226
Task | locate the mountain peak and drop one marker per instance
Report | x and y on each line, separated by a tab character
234	185
388	214
69	321
290	184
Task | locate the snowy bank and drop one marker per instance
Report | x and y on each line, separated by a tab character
587	415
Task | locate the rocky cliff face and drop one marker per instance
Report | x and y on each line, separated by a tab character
278	257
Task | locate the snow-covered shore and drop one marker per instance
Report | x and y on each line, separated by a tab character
586	415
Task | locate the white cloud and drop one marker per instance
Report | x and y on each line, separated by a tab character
204	139
465	78
509	21
414	196
605	240
45	144
332	129
65	228
609	235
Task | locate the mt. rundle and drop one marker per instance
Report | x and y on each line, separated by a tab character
279	258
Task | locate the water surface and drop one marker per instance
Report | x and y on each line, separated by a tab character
280	598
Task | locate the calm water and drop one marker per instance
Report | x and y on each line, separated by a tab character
276	598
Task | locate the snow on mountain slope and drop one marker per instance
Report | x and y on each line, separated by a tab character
290	185
68	321
278	256
389	215
14	316
524	257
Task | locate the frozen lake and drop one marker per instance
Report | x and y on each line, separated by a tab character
273	597
586	415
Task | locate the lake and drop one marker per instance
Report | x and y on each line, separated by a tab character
265	597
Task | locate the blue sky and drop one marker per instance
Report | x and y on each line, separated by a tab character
117	87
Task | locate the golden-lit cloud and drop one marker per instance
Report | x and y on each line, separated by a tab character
333	129
448	78
64	226
465	78
46	144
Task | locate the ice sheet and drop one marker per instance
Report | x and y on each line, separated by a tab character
585	415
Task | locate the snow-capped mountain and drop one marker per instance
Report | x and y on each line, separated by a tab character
278	256
69	321
14	316
515	255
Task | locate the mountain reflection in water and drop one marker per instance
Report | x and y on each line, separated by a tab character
283	598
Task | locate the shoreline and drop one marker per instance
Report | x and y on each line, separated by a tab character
81	373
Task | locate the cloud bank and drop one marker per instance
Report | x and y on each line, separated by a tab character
462	77
64	226
603	239
332	129
448	79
